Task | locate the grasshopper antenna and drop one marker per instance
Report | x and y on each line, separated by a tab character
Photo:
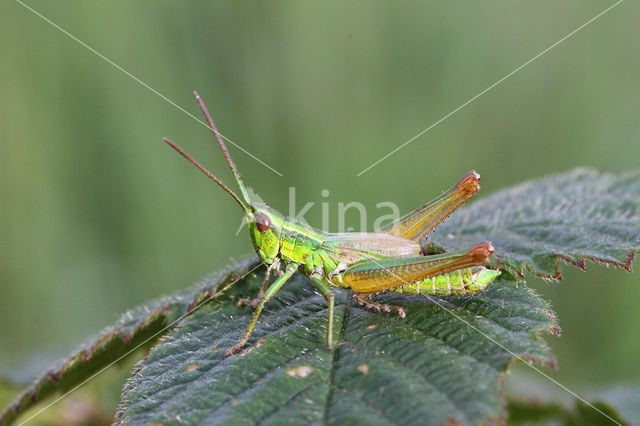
206	172
223	147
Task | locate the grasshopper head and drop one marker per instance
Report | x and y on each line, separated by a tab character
265	225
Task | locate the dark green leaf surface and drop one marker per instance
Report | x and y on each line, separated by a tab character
574	216
141	326
430	367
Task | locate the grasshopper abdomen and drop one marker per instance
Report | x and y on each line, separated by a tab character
463	281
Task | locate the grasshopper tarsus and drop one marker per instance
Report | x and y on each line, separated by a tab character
233	350
252	303
367	263
364	300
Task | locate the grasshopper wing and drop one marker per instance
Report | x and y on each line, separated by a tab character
355	247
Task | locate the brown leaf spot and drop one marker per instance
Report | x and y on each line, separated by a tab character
372	326
364	369
300	372
193	367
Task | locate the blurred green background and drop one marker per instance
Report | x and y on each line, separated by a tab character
98	215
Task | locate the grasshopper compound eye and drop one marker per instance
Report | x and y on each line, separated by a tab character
263	222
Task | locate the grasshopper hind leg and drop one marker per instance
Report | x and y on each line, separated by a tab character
365	300
417	224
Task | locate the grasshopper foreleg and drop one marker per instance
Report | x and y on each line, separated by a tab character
271	291
365	300
252	303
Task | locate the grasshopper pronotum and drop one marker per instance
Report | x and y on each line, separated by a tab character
390	260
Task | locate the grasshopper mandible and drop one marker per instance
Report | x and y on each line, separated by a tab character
390	260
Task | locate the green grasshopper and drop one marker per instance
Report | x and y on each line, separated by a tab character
391	260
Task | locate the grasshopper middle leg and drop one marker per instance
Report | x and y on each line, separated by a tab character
330	297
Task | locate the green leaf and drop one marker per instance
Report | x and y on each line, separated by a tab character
430	367
443	363
573	216
139	327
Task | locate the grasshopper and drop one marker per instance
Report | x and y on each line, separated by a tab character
390	260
